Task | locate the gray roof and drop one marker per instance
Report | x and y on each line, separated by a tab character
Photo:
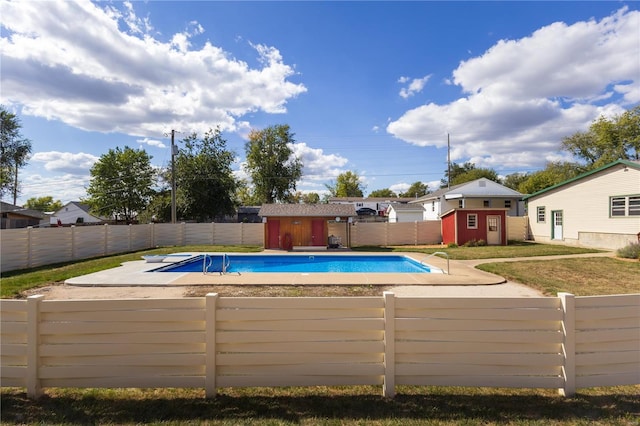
478	188
407	207
370	199
10	208
311	210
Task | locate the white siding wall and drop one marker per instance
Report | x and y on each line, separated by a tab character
431	210
71	213
585	208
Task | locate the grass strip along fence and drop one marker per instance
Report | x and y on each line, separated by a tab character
213	342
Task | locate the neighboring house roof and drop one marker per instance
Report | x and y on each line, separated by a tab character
406	207
369	200
10	208
81	206
622	163
322	210
479	188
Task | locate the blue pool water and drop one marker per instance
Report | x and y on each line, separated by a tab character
298	263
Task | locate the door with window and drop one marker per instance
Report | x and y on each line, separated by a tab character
494	236
557	223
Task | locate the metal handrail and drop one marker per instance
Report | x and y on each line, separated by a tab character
440	252
205	265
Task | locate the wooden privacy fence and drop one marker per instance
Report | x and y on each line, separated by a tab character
562	342
31	247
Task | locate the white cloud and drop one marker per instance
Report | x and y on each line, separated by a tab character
318	167
66	187
523	96
68	162
415	86
151	142
70	61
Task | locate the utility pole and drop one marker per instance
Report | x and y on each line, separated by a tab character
173	177
448	162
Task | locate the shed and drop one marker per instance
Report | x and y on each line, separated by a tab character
460	226
301	225
405	212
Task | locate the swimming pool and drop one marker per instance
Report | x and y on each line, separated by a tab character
239	263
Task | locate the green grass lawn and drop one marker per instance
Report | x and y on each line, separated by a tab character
357	405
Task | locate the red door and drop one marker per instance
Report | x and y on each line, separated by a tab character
273	234
317	233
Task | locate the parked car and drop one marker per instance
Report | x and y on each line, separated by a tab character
366	211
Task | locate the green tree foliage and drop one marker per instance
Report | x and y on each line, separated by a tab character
305	198
273	168
553	174
383	193
514	180
466	173
417	189
607	140
121	183
347	184
206	187
14	153
43	204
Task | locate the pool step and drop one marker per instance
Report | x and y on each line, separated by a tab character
309	248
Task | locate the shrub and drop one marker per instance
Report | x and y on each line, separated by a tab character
475	243
452	245
630	251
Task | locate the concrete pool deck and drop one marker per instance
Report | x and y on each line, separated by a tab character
135	274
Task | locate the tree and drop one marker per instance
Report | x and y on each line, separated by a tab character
272	165
347	184
553	173
455	170
475	173
383	193
206	187
43	204
305	198
121	183
607	140
514	180
417	189
14	153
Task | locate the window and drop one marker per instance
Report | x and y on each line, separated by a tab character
486	203
472	221
622	206
507	204
433	206
461	204
541	214
634	205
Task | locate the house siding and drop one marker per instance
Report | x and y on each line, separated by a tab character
585	208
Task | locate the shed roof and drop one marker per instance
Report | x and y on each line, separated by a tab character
309	210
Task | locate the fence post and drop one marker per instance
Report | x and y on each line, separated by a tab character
388	387
210	351
73	242
33	342
569	343
29	246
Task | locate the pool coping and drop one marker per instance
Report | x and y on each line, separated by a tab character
134	273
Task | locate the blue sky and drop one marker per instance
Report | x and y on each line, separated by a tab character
370	87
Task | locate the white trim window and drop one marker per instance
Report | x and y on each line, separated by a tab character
541	214
624	205
472	221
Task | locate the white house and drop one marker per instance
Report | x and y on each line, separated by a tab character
477	194
599	209
379	204
75	212
405	212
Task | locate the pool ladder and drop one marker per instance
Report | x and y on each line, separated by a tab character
440	252
207	261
